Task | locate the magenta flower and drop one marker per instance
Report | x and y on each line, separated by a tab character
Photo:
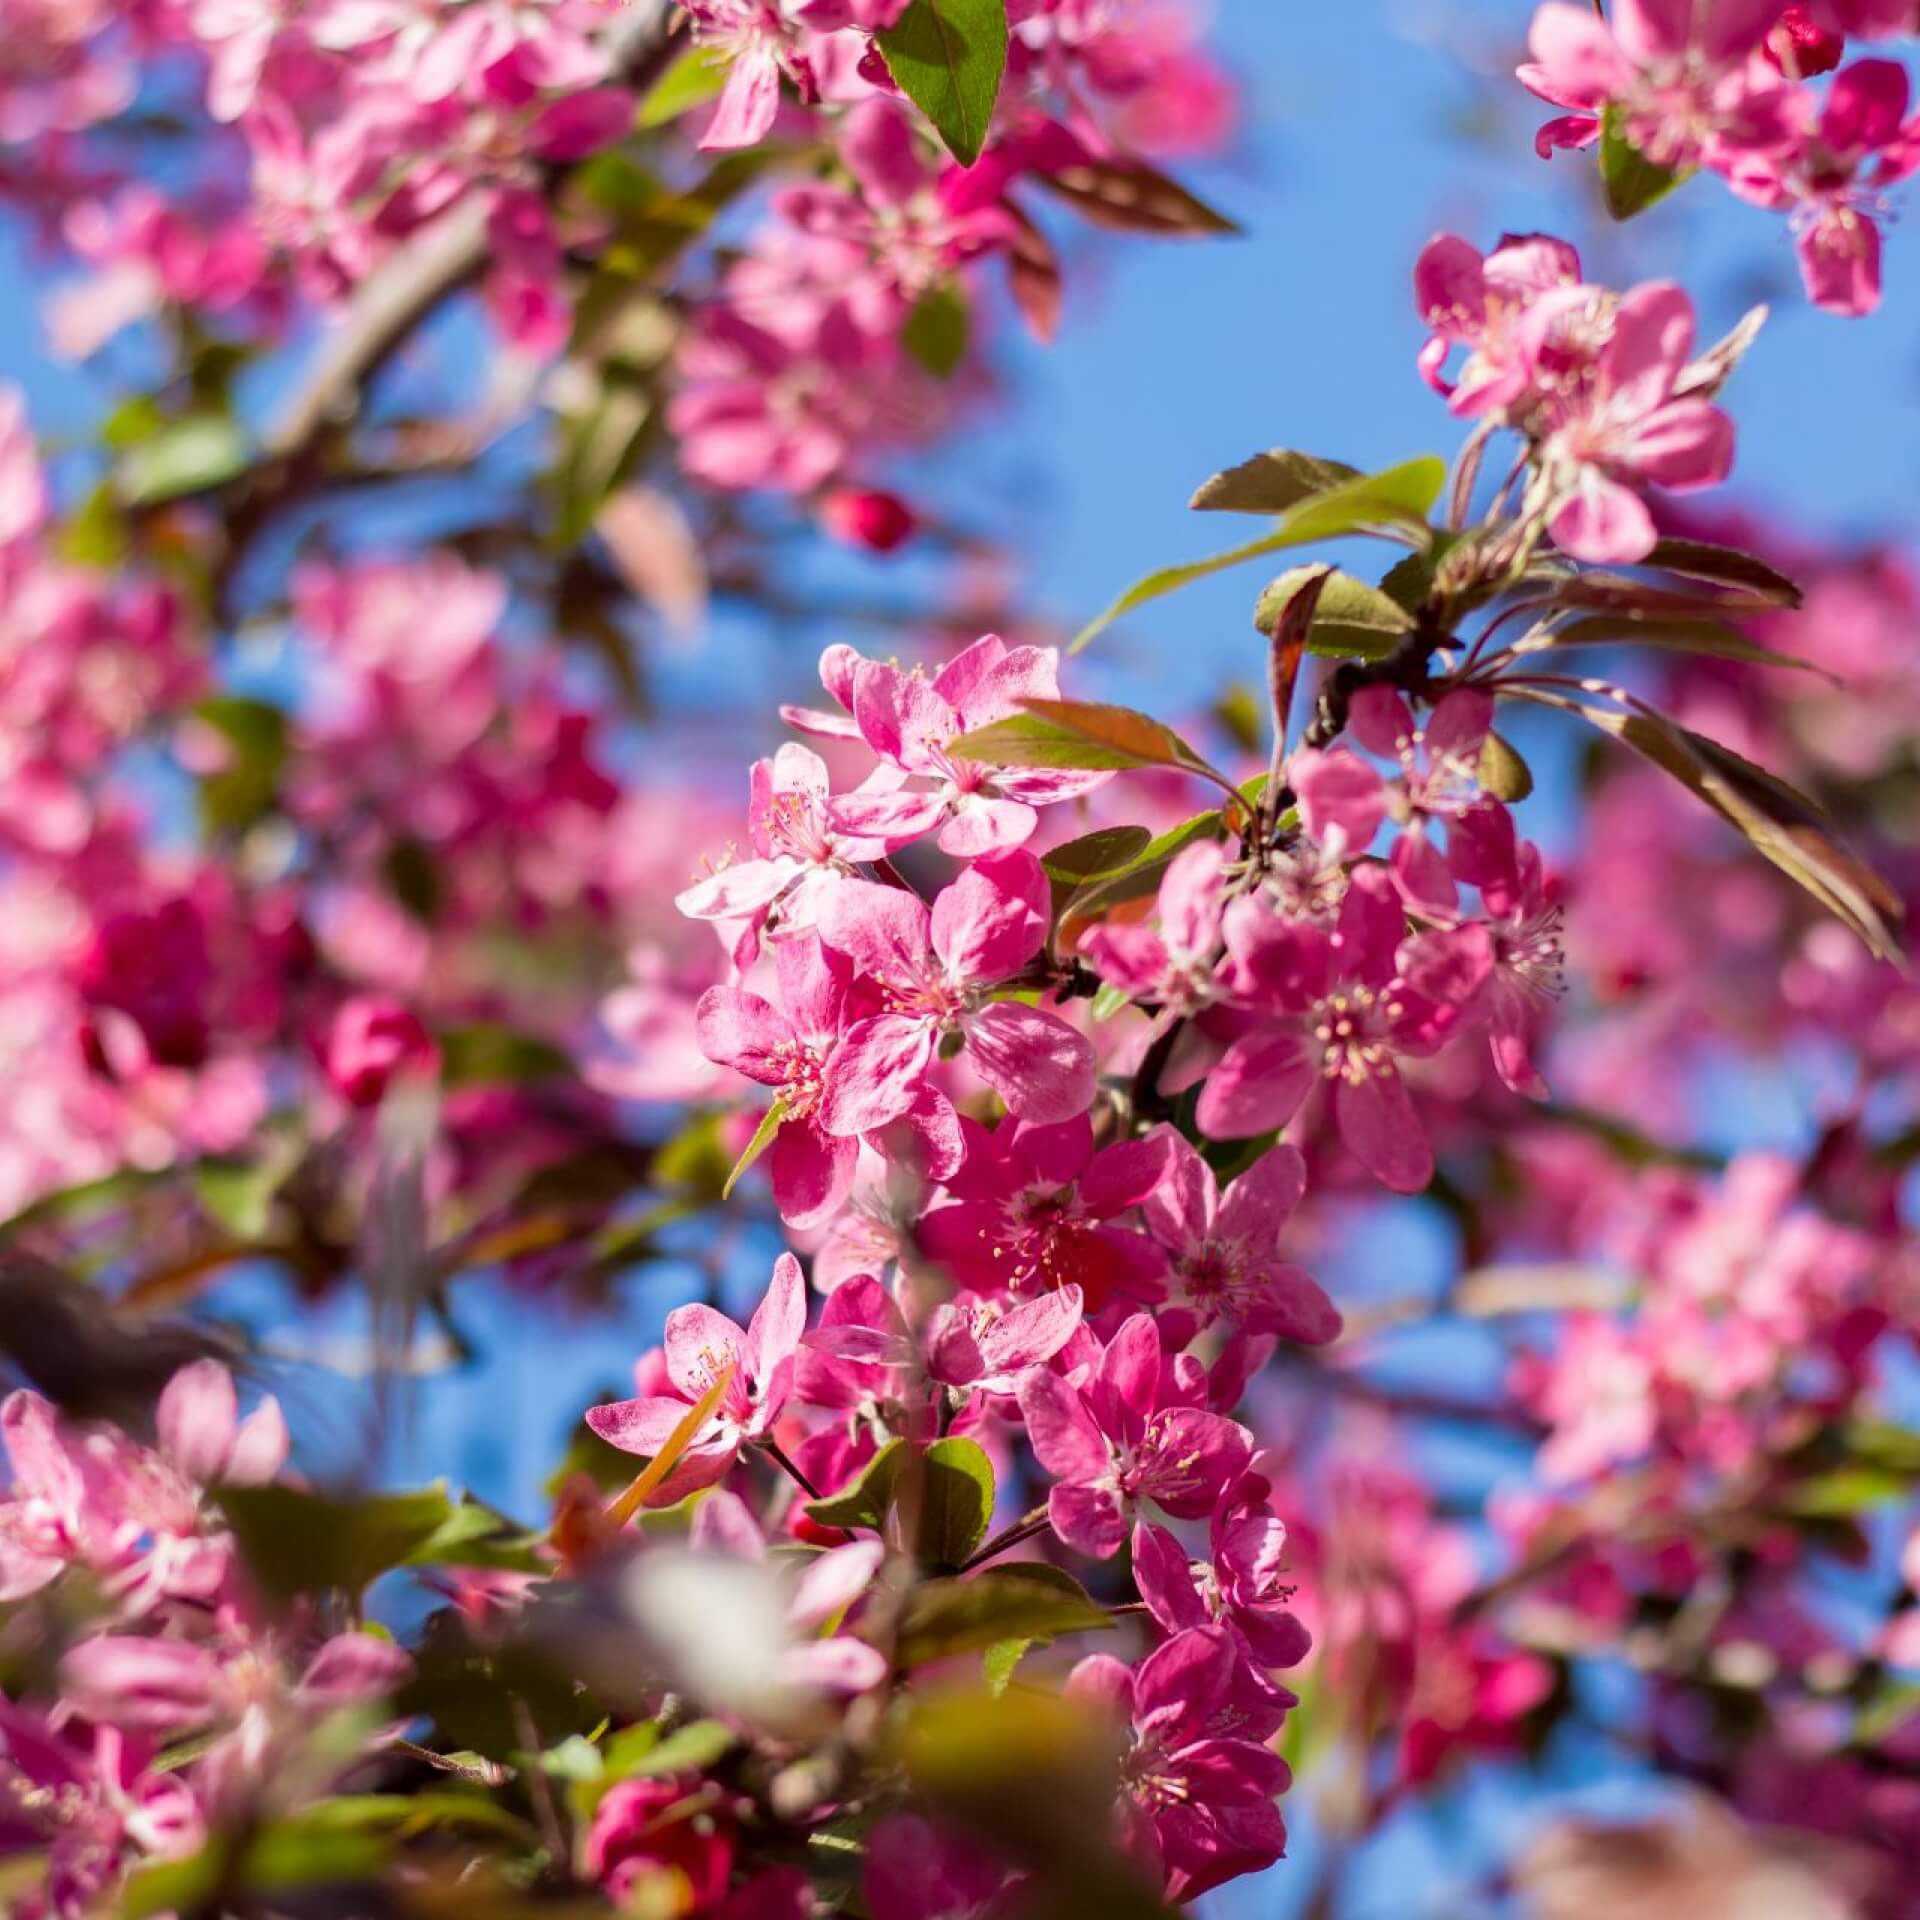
372	1040
700	1342
1224	1252
1341	1012
910	721
1112	1443
915	1871
981	1347
935	971
799	856
1682	73
1439	777
91	1805
1525	924
762	45
68	1500
1199	1785
1241	1588
863	1361
642	1828
1831	179
787	1050
1476	302
1034	1206
1170	964
1625	422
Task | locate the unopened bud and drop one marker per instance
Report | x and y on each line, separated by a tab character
867	517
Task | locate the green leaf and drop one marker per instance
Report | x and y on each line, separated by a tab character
1128	196
998	1663
689	1749
1271	483
242	790
194	455
1351	620
1626	629
937	329
948	57
1848	1490
297	1541
763	1136
1102	855
239	1194
1078	733
865	1503
1398	498
486	1054
135	420
956	1502
95	533
1503	772
1780	824
473	1535
1726	567
1630	181
945	1617
1142	876
691	81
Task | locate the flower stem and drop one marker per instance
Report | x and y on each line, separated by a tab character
1011	1536
780	1457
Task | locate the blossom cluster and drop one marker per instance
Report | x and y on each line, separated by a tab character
1728	85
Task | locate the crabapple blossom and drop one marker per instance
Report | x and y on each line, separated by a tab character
935	969
1116	1441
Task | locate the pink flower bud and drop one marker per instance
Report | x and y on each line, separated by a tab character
1801	47
866	517
371	1040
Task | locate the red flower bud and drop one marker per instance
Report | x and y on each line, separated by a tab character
1800	47
371	1041
866	517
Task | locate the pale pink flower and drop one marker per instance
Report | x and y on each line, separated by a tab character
1171	963
911	721
700	1343
1476	302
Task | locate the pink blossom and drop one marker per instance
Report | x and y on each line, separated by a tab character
912	722
1198	1783
1681	72
1439	777
700	1343
800	855
1224	1252
1525	924
787	1050
1036	1207
90	1802
936	970
868	517
983	1347
1241	1587
1170	964
200	1432
373	1041
643	1827
1341	1012
916	1871
1113	1443
1476	302
830	1584
1626	424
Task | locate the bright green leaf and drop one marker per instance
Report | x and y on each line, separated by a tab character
948	57
763	1137
1271	483
1631	181
1351	618
691	81
945	1617
194	455
956	1490
865	1503
937	329
1397	498
1078	733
